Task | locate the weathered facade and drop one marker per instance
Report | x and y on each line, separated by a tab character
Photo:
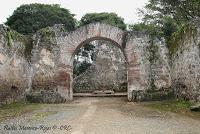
148	67
185	67
14	68
50	71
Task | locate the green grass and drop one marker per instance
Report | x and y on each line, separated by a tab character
40	115
16	109
176	106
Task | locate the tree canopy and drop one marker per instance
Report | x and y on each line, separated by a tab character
164	18
29	18
180	10
108	18
170	19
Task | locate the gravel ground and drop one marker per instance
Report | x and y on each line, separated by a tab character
100	116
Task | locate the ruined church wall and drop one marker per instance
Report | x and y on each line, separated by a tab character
14	67
148	67
45	66
185	68
48	71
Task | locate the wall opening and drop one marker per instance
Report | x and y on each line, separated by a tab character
99	66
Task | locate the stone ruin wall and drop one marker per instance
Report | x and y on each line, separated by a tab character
185	68
14	67
148	67
45	65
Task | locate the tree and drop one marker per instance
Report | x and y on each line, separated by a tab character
171	19
108	18
180	10
80	68
83	58
152	30
29	18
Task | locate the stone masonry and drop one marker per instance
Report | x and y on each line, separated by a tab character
48	72
185	68
14	68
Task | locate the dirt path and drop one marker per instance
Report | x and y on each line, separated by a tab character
100	116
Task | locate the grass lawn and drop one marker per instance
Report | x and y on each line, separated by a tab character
176	106
16	109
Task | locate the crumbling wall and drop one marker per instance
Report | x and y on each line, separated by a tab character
44	63
148	67
14	67
185	65
44	72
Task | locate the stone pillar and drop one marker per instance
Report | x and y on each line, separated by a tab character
65	74
134	83
64	82
135	75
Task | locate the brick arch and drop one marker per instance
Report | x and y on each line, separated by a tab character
74	40
95	31
98	38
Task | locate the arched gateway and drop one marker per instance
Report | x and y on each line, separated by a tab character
74	40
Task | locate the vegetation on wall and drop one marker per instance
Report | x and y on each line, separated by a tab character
9	38
153	53
177	38
153	57
28	47
48	36
25	41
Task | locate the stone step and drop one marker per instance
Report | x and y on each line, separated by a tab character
99	95
104	92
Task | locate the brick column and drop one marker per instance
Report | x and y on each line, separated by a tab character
64	82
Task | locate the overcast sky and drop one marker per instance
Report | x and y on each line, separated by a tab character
127	9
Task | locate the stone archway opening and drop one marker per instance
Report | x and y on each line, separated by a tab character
71	42
99	69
